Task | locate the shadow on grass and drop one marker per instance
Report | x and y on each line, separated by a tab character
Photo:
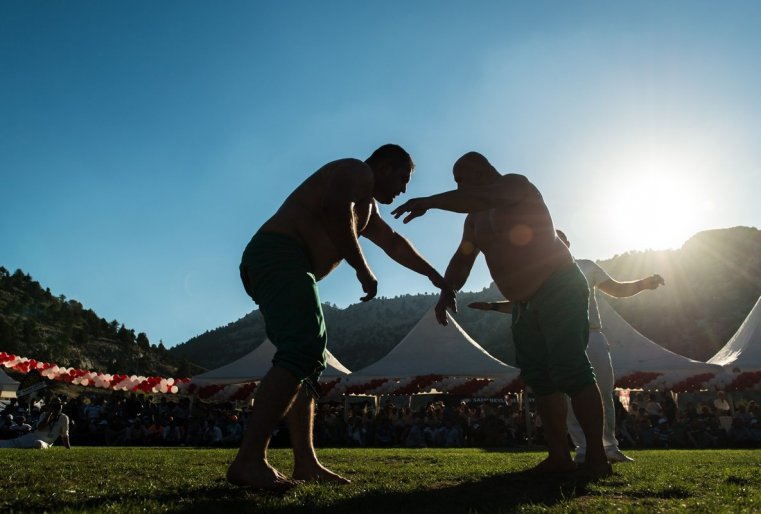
500	493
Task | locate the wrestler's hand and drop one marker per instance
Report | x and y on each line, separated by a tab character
447	300
369	284
653	282
415	207
440	282
481	306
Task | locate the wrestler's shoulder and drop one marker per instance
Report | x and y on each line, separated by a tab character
350	173
347	164
513	179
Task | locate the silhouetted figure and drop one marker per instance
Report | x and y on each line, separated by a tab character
316	228
598	350
509	222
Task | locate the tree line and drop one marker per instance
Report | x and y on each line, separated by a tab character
37	324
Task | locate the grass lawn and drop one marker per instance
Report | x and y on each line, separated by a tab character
383	481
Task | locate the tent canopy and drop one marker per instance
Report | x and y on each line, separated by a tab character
8	386
632	352
432	349
255	365
743	350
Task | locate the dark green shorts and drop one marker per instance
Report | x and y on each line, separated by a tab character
551	332
277	273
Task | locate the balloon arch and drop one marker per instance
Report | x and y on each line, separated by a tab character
333	387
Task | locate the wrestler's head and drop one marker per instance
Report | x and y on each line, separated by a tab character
473	169
392	167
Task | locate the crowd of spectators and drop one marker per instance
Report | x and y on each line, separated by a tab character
646	420
654	421
136	420
454	423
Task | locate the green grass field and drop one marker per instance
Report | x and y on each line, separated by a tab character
384	481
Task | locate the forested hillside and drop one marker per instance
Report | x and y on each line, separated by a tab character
36	324
711	284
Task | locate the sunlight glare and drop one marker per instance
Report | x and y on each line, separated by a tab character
655	208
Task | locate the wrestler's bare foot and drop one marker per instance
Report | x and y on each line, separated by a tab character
551	466
318	473
259	476
595	471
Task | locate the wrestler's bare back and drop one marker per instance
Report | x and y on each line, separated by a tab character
302	214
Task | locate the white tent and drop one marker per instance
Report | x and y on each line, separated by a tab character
8	386
253	366
742	354
743	351
432	349
639	362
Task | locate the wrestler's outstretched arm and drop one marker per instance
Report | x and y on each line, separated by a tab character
347	186
458	270
401	250
503	306
618	289
506	190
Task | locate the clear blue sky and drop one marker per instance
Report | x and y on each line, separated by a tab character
142	143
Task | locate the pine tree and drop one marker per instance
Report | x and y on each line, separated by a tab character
142	341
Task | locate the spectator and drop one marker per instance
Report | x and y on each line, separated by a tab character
653	409
6	426
136	434
739	434
356	432
172	433
216	434
755	431
454	436
133	407
662	434
194	435
233	432
384	429
21	427
52	425
415	437
721	404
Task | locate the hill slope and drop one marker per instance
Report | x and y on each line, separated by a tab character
36	324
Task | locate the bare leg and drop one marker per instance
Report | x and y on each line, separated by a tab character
275	396
587	406
300	426
552	409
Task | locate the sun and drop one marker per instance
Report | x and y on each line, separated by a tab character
656	209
